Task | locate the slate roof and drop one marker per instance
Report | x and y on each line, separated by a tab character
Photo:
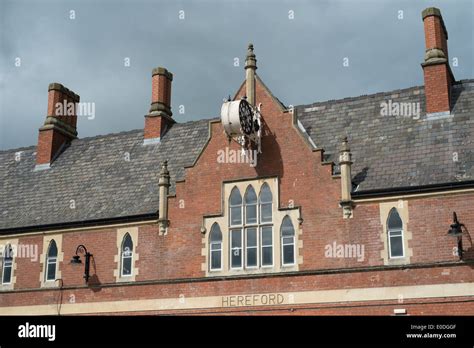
388	152
95	174
397	151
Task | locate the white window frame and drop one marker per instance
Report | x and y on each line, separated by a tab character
51	260
221	249
242	248
4	265
242	208
266	246
389	235
213	269
283	244
259	209
256	247
123	256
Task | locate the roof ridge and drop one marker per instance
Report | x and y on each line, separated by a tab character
97	136
362	96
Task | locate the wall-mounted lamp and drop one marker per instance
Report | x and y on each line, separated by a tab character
76	260
456	232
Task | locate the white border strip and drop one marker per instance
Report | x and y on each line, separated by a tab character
287	298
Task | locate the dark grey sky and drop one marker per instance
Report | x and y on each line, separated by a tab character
299	59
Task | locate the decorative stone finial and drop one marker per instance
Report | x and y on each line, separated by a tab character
164	169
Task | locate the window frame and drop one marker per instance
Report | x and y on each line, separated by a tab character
282	244
241	205
49	262
242	248
394	230
10	266
256	247
266	246
123	256
221	249
260	204
238	256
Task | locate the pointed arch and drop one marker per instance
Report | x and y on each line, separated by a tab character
51	261
235	207
395	234
7	266
287	233
215	247
265	204
250	200
126	268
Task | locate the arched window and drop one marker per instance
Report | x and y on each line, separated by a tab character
235	207
265	200
51	261
127	256
215	247
250	206
251	240
7	265
287	241
395	234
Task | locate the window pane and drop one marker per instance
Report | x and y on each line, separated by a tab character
216	234
235	197
265	194
236	248
127	266
396	246
236	216
7	274
287	227
251	214
236	238
394	221
216	259
236	260
266	212
51	274
127	244
250	196
267	237
127	252
288	254
53	249
251	257
251	237
267	256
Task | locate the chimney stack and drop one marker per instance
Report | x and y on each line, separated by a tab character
59	128
159	118
437	72
250	68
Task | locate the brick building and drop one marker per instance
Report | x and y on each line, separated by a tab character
345	211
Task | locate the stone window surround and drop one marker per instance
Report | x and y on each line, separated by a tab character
121	232
3	244
402	209
277	215
58	238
